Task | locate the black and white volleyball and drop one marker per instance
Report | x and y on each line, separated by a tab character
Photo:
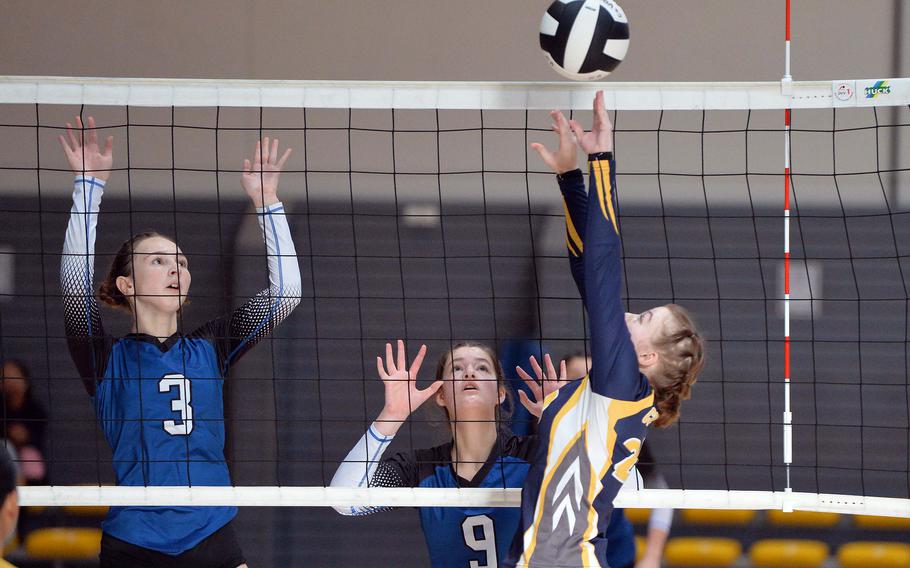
584	40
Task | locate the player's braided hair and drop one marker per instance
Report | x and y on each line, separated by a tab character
122	266
682	357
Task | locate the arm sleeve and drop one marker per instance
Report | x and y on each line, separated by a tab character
614	368
661	519
84	332
575	206
256	319
362	468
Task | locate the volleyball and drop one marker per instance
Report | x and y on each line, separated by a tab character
584	40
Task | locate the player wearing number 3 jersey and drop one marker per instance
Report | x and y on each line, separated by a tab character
643	367
157	392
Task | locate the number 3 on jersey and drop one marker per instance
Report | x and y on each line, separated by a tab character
486	542
180	404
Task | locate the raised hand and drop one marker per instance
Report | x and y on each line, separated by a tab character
600	138
82	152
565	158
260	176
401	393
543	385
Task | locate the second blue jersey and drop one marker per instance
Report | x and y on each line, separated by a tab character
459	537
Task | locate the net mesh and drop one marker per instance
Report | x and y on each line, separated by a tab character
436	223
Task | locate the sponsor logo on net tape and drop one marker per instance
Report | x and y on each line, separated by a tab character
880	88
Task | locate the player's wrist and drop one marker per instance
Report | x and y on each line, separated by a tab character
569	174
389	422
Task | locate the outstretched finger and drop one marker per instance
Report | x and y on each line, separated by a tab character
402	362
418	360
64	143
380	368
563	372
284	158
389	359
427	393
74	143
534	407
265	150
551	371
81	128
577	129
92	133
536	366
108	146
246	166
562	125
545	154
532	384
273	153
257	156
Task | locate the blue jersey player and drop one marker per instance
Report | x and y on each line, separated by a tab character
158	392
643	366
469	387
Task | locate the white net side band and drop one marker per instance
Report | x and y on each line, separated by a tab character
448	95
438	497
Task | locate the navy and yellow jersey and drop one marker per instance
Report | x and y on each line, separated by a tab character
592	429
457	537
160	404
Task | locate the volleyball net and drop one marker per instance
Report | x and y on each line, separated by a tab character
419	212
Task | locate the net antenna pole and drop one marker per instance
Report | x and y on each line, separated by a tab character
786	82
786	89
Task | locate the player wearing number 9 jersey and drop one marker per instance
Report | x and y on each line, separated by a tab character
469	387
643	366
157	392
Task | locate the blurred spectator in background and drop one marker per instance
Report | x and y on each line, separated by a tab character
23	421
9	501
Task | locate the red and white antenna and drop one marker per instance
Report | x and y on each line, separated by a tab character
786	85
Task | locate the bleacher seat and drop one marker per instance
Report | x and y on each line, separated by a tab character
808	519
86	511
63	544
874	555
692	552
638	516
788	553
640	544
731	517
876	523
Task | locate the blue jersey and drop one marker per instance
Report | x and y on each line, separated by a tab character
160	404
457	537
592	429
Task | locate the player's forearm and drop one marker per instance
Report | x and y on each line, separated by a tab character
359	466
657	540
572	187
602	262
77	265
284	270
